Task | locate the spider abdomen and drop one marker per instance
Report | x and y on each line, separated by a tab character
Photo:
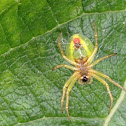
79	46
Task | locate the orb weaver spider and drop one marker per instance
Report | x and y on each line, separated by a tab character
83	67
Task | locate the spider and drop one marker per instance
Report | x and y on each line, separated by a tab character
83	71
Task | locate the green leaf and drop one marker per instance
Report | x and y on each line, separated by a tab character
30	92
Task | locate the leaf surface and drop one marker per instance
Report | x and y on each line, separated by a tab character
30	91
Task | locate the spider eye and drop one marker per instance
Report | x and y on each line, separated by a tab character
85	79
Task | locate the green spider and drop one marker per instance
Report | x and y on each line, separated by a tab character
80	53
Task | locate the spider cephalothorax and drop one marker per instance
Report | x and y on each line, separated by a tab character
80	53
82	70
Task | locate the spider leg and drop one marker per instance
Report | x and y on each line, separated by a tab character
62	53
107	87
80	82
98	60
67	95
64	89
64	65
108	78
90	81
96	46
